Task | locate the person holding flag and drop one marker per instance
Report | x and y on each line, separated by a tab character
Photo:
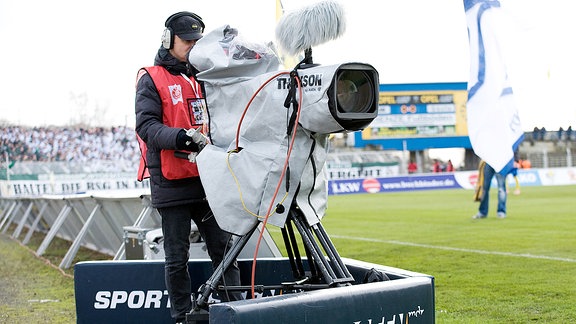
493	123
485	175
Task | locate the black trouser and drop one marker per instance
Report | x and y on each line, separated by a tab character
176	222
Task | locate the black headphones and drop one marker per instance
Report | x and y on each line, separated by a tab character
168	35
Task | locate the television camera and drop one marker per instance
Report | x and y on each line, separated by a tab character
268	134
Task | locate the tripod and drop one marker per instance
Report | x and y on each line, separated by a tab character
325	271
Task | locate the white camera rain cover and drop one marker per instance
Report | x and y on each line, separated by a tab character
239	186
223	56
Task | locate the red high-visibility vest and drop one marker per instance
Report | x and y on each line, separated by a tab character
182	107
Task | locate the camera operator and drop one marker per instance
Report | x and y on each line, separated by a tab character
169	101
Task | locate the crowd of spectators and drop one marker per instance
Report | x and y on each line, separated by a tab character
117	145
68	144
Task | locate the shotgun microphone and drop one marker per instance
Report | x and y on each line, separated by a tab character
310	26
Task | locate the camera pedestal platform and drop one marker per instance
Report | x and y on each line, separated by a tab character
133	291
403	297
295	289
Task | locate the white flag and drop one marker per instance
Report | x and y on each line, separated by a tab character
493	122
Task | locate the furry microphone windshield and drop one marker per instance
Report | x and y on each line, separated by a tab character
310	26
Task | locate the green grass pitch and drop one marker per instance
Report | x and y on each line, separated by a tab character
520	269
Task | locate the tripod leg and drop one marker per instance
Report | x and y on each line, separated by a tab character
292	251
331	251
212	283
308	240
325	267
314	274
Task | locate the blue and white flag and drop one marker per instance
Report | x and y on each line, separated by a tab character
493	123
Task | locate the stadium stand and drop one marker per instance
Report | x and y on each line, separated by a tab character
75	149
69	149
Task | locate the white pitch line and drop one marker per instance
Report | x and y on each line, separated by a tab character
448	248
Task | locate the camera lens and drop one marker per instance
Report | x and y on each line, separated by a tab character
353	95
354	92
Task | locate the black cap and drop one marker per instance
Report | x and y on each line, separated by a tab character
187	28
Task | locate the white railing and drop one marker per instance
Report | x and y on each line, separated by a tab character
100	221
95	221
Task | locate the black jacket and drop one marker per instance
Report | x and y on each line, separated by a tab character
157	136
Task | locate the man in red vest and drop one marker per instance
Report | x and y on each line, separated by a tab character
170	102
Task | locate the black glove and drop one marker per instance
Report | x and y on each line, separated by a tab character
185	142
